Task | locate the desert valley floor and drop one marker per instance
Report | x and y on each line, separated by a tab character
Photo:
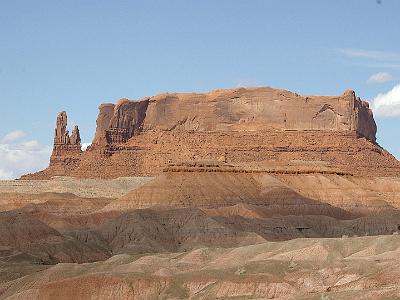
82	238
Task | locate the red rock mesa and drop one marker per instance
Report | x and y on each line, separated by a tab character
245	128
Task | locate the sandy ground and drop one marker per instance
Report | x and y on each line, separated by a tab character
88	188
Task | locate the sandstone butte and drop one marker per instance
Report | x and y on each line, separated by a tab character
254	194
236	130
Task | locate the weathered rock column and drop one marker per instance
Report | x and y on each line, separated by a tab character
75	138
64	144
61	136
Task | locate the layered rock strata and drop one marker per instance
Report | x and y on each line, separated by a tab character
236	126
235	110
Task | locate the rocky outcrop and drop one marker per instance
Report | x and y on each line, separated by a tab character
127	121
366	125
260	109
75	138
235	110
106	112
61	136
65	144
118	123
362	120
67	148
237	126
234	168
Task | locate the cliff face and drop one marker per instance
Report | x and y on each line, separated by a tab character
237	126
106	112
235	110
127	121
364	121
259	109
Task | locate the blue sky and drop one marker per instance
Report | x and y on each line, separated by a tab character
74	55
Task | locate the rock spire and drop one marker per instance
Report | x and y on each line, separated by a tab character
64	143
61	135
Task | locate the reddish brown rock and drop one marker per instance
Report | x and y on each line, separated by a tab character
67	148
362	118
61	135
259	109
127	120
62	140
75	138
237	126
238	167
236	110
106	112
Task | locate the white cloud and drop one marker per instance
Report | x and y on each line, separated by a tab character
85	146
13	136
380	77
370	58
370	54
4	175
18	156
387	104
